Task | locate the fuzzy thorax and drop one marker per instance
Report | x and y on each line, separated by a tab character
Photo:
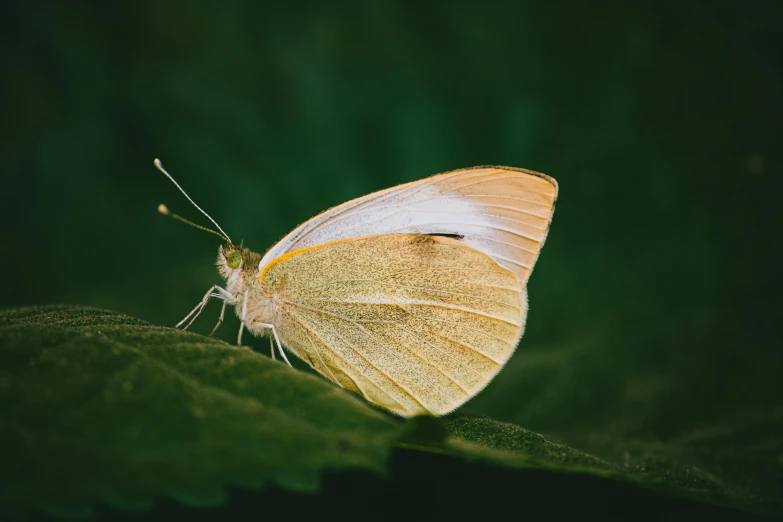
245	278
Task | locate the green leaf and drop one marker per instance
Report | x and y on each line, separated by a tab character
731	468
514	446
101	407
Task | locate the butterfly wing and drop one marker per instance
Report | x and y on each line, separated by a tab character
503	211
414	323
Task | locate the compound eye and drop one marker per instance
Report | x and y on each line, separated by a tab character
234	259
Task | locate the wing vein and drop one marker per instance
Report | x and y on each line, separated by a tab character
315	349
469	347
390	285
336	316
514	198
504	258
417	370
399	272
444	352
351	346
456	293
460	309
300	323
436	211
499	241
493	178
490	205
479	330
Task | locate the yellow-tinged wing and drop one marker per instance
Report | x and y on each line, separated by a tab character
503	211
414	323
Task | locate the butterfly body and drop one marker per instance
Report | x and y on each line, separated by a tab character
242	280
414	297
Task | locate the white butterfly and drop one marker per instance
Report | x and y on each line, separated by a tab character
414	296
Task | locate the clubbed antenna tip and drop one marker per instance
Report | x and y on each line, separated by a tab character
165	211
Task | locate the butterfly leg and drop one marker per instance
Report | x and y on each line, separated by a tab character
220	319
279	346
277	340
222	293
199	305
244	320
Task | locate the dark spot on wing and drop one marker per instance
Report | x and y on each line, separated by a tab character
452	236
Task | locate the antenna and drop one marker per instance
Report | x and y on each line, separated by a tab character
159	166
163	209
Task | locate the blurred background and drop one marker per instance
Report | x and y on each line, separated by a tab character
655	305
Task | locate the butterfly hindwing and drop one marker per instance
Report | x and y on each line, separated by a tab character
415	323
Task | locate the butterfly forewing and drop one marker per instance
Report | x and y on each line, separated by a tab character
502	211
415	323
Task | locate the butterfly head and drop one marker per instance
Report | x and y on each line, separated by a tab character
237	265
229	261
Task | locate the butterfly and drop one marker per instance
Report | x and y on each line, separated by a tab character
413	297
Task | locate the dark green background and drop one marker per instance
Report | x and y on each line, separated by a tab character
654	308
